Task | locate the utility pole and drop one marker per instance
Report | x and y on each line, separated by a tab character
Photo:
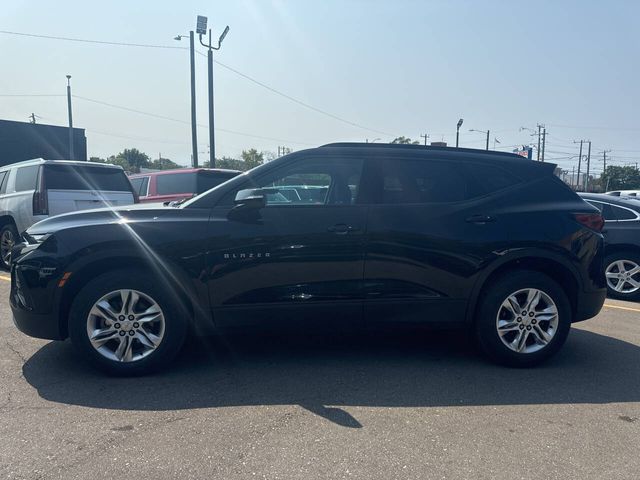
33	117
544	137
201	29
488	139
426	137
604	161
573	173
194	126
71	152
579	162
539	127
586	180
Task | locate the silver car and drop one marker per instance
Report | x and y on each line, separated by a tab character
36	189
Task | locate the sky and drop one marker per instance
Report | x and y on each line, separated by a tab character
384	68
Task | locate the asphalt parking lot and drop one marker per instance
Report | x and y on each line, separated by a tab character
409	406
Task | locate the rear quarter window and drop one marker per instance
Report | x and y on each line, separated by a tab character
173	183
26	178
623	213
78	177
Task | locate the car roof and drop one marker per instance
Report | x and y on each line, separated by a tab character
424	148
185	170
42	161
622	201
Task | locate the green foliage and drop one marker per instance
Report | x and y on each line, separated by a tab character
405	141
620	178
133	158
252	158
163	164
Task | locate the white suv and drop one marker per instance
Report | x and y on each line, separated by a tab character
36	189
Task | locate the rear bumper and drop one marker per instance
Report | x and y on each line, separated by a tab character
589	304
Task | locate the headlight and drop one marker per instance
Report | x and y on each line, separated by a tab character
32	238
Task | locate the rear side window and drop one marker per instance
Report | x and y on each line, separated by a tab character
208	180
623	213
170	184
3	181
78	177
140	185
605	209
490	178
26	178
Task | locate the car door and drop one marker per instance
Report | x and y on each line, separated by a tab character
299	260
430	227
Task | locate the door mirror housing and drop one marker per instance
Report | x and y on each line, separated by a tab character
252	198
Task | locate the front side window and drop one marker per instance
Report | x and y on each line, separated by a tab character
26	178
314	181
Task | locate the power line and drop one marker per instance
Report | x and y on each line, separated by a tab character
237	72
100	42
176	120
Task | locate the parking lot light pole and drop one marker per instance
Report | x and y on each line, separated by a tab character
483	131
71	152
458	131
201	29
194	126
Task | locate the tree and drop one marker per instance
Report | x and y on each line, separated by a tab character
252	158
405	141
97	160
230	163
131	159
163	164
620	178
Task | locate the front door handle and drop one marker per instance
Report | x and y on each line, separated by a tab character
340	229
480	219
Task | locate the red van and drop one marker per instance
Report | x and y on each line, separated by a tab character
180	184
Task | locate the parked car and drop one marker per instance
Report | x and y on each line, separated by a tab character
402	235
36	189
178	185
619	193
622	243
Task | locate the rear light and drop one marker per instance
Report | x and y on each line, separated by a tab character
594	221
40	197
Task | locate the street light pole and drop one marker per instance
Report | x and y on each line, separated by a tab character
71	152
458	132
487	139
201	30
194	126
488	132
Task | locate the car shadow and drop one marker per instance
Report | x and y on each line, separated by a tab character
322	373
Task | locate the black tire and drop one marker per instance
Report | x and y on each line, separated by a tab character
626	256
8	229
175	322
495	294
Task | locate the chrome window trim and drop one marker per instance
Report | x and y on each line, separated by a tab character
613	205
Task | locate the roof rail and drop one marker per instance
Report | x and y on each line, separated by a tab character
420	147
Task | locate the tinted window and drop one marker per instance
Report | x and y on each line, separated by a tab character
174	183
313	181
404	181
490	178
3	181
140	185
605	210
623	213
208	180
26	178
78	177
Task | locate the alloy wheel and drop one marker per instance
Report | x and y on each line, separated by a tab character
623	276
527	320
125	325
6	244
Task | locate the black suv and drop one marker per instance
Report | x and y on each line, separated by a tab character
344	235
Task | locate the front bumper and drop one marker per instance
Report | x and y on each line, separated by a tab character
589	304
38	325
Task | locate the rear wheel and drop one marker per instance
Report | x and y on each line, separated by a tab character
524	319
8	237
622	270
126	324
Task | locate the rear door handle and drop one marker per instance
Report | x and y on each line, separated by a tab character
481	219
341	229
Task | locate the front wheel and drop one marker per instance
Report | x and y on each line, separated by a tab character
524	318
126	324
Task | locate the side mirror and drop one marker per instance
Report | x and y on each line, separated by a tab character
252	198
